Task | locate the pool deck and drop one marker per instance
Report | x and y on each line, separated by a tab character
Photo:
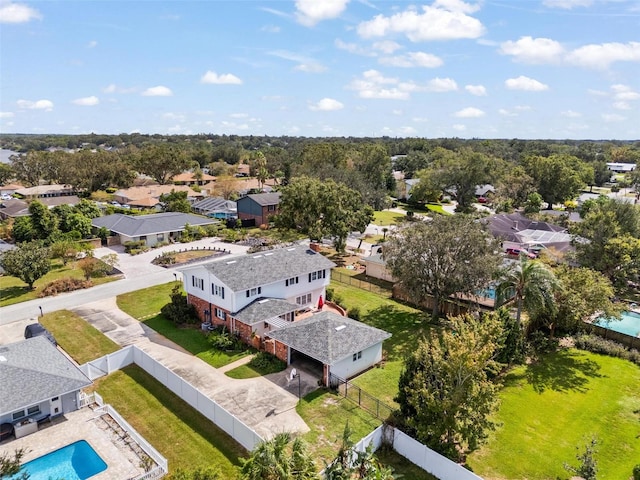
83	424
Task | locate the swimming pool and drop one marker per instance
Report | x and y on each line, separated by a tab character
77	461
629	324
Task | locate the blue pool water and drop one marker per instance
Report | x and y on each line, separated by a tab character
629	324
77	461
489	292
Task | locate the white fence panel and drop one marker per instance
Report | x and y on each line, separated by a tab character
120	359
174	382
206	407
189	394
224	419
245	436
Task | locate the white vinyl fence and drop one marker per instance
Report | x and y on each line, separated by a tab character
234	427
417	453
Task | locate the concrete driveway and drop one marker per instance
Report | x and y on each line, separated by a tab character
266	404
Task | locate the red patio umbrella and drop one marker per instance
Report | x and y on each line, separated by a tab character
320	302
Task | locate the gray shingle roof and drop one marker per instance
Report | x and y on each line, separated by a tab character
271	266
320	337
215	204
264	199
149	224
264	309
33	371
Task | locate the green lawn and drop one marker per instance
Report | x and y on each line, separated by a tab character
385	218
261	364
185	437
402	466
77	337
549	409
145	305
13	290
406	325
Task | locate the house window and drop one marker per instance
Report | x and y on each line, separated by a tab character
160	237
217	290
271	208
304	299
357	356
252	292
317	275
220	314
197	282
291	281
33	410
17	415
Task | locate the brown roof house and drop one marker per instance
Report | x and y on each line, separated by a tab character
189	178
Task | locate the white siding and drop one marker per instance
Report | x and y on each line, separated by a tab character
377	270
347	368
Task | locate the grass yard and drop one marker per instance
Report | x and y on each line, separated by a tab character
260	364
185	437
13	290
550	408
145	305
385	218
327	414
406	325
402	466
77	337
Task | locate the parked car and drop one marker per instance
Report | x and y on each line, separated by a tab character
37	330
516	252
4	196
483	200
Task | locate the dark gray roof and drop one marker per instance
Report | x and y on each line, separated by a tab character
506	226
33	371
242	273
14	208
264	199
375	258
264	309
134	226
322	338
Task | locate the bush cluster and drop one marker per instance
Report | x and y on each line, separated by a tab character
223	340
178	310
64	285
354	313
135	247
165	258
267	363
329	294
596	344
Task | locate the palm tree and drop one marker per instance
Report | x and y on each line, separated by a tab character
531	283
279	459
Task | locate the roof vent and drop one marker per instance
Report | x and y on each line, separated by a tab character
3	359
291	249
230	262
257	256
267	254
263	301
341	327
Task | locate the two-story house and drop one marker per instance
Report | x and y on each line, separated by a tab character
259	207
256	293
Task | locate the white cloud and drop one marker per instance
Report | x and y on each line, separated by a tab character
442	85
374	85
407	131
567	4
310	12
159	91
600	56
525	83
507	113
621	106
326	105
310	67
477	90
92	44
413	59
87	101
305	64
223	79
239	115
612	117
353	48
443	20
111	88
17	13
469	112
46	105
6	115
624	92
174	117
459	127
387	46
533	50
570	114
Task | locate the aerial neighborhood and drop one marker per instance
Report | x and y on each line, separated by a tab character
422	312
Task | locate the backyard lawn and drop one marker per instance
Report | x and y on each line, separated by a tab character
385	218
77	337
185	437
145	305
13	290
550	408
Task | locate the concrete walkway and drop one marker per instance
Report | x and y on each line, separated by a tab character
264	403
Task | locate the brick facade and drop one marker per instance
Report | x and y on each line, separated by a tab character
202	306
281	351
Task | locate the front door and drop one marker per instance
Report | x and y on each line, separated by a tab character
55	405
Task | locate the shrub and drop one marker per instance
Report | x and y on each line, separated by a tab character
165	258
266	363
540	343
329	294
134	245
354	313
636	472
178	310
64	285
596	344
224	340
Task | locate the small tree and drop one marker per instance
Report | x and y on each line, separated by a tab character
29	262
64	249
179	311
10	464
588	467
93	267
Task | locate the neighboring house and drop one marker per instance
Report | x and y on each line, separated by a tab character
19	208
147	203
45	191
10	189
133	195
344	347
253	294
484	191
216	207
376	267
259	207
38	381
404	187
153	228
189	178
514	230
243	170
621	167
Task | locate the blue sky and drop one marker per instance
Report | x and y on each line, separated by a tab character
439	68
